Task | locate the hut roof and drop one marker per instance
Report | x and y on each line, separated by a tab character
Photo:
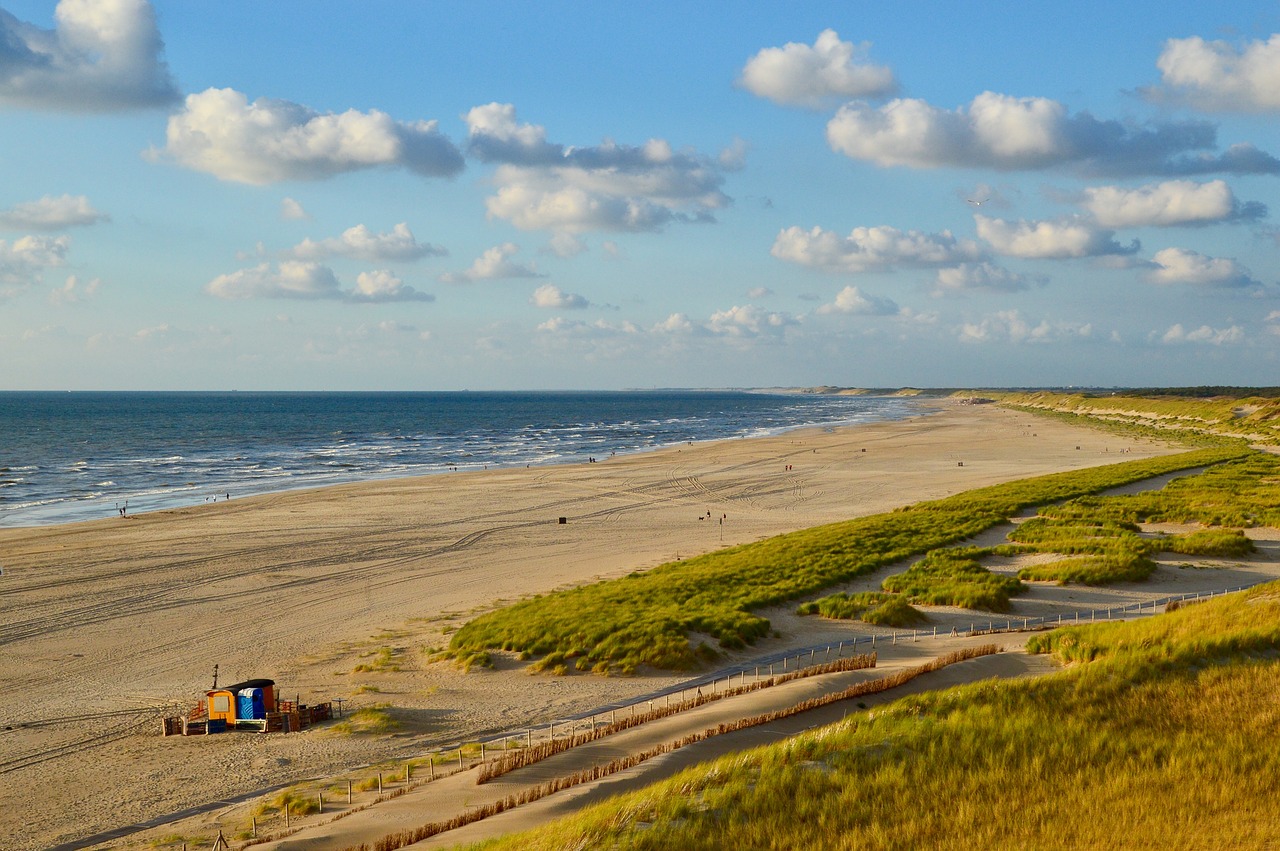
248	684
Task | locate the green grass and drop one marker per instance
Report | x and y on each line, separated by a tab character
867	606
645	618
373	720
953	577
1204	419
1163	735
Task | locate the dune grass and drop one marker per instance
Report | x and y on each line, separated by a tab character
867	606
953	577
1163	734
1206	417
645	618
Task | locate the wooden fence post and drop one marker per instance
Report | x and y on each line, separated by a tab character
348	795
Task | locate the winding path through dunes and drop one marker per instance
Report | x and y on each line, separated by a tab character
303	587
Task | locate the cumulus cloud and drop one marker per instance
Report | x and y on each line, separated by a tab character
677	324
101	56
607	187
552	297
1006	133
1204	335
23	261
1009	326
493	263
308	280
1167	204
988	277
1217	76
361	243
382	286
811	76
1183	266
1065	238
50	213
749	321
871	249
759	292
1273	322
852	300
219	132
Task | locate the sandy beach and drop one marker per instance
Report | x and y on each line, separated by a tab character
106	624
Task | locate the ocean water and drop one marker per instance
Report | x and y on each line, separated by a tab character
77	456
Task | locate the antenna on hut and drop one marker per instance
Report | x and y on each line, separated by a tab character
215	678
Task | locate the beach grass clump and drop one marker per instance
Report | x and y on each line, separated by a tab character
1172	725
382	661
867	606
1092	569
953	577
1214	543
646	618
374	720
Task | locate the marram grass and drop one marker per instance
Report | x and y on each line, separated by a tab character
645	618
1169	738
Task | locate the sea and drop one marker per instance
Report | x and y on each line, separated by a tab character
71	456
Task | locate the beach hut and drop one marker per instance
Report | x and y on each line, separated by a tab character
249	700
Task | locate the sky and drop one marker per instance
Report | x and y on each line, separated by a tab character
405	195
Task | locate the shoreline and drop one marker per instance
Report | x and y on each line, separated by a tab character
305	587
64	511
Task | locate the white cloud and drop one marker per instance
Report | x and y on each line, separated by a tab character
218	131
607	187
382	286
1183	266
101	56
851	300
1011	134
1173	202
292	210
759	292
871	249
988	277
23	261
1273	322
1204	334
494	263
811	76
552	297
72	292
361	243
677	324
1074	237
560	326
309	280
1217	76
748	321
50	213
1009	326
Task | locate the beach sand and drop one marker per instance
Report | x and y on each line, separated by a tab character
106	623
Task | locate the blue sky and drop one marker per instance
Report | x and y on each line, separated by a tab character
414	195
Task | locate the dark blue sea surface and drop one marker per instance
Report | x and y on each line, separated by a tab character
79	456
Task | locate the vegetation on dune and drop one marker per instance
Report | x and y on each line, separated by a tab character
868	606
953	577
645	618
1172	724
1223	415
